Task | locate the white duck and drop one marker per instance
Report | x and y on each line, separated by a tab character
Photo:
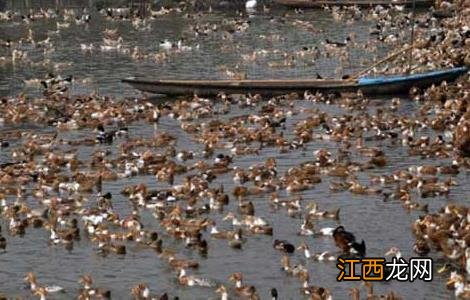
34	286
166	45
250	4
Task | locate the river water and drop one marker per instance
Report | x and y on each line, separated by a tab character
380	224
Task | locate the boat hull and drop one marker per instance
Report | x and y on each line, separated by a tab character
245	87
403	84
360	3
369	86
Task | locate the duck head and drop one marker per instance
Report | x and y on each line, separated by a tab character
31	279
141	291
237	278
394	251
86	281
222	291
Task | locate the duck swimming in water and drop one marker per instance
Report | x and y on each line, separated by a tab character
41	292
222	290
166	45
141	291
3	241
322	256
251	4
314	291
90	291
34	285
294	270
241	289
346	241
461	286
190	280
394	251
284	246
274	294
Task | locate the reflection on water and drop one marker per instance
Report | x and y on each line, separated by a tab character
381	224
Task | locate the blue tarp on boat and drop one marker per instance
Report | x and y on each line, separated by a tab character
393	79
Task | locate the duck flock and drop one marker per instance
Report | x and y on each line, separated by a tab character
246	184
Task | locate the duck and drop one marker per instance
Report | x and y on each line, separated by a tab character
34	285
394	251
3	241
87	47
247	221
372	296
141	291
256	229
291	270
84	19
313	212
222	290
346	241
274	294
181	263
307	227
462	288
421	247
325	231
284	246
356	188
315	292
3	143
338	44
90	291
355	294
62	25
103	136
166	45
303	246
251	4
246	208
323	256
190	280
241	289
294	209
215	233
236	241
117	248
431	189
409	205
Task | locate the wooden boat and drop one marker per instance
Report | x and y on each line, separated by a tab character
377	85
360	3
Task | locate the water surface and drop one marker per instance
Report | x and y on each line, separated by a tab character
380	224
